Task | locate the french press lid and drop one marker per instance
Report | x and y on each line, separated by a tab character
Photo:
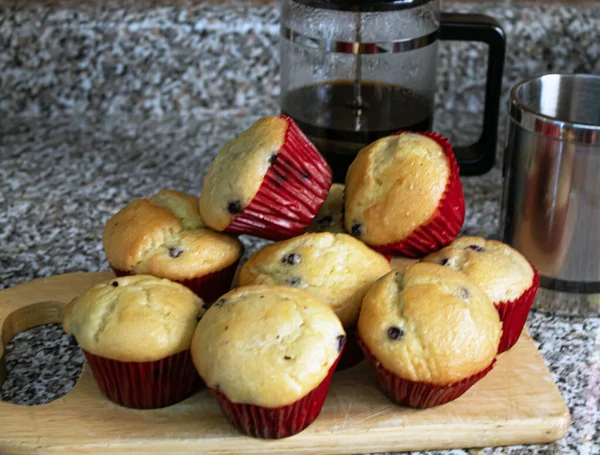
364	5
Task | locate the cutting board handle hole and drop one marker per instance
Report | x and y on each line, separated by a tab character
52	370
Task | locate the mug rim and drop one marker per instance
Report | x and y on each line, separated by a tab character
535	121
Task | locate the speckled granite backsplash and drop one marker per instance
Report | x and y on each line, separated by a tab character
148	60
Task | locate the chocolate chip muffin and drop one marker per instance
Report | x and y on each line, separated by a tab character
267	353
403	195
136	332
508	279
336	268
164	236
330	217
269	181
430	332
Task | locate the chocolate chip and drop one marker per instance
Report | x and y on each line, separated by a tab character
226	327
395	333
292	259
464	293
206	306
234	207
341	339
475	247
287	357
326	221
175	252
357	230
219	303
114	284
444	261
273	158
293	281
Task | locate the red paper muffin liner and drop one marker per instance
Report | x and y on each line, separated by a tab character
276	423
419	394
513	314
208	287
146	385
292	192
352	353
445	224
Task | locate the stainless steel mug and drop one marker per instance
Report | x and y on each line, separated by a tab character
551	199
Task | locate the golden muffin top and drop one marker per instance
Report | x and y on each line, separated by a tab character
238	170
336	268
164	236
267	345
430	324
331	215
501	271
136	318
393	187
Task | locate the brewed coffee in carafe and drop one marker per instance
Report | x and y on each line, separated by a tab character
353	71
339	126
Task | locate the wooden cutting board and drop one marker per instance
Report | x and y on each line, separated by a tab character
517	403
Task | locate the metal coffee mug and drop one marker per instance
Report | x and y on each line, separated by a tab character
551	199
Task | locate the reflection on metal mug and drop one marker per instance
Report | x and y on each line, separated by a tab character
551	198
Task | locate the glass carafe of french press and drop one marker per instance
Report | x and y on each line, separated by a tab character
353	71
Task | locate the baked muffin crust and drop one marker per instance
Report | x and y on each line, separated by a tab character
336	268
394	186
430	324
267	345
238	170
331	215
501	271
162	236
137	318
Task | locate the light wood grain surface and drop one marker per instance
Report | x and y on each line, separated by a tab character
517	403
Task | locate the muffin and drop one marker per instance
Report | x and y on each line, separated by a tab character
269	182
135	333
331	216
508	279
165	236
267	353
336	268
404	196
430	333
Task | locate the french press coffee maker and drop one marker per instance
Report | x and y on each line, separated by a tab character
353	71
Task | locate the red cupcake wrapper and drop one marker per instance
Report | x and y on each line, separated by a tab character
146	385
513	314
208	287
419	394
276	423
445	224
291	194
352	353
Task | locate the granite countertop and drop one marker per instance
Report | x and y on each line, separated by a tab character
60	180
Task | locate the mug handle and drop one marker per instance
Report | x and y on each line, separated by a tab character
478	158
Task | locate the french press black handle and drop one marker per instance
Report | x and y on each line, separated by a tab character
478	158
